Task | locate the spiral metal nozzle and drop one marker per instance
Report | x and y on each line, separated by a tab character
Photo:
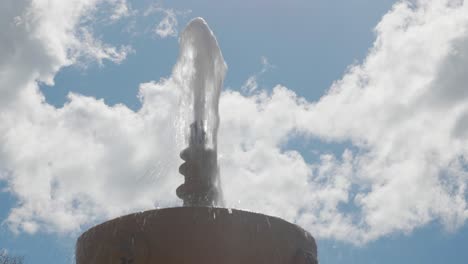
200	169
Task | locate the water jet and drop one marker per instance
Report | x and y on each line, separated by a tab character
201	231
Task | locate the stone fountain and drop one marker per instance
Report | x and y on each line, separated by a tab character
200	232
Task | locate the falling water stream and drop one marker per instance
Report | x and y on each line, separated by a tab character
200	73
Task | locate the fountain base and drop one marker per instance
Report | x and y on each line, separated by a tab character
196	235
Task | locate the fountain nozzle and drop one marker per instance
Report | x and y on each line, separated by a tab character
201	186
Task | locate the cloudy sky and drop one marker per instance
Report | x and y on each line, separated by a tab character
349	118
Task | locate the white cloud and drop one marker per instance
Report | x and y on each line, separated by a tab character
251	84
401	107
404	109
38	38
121	10
92	49
168	25
266	65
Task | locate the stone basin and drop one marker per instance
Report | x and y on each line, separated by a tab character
201	235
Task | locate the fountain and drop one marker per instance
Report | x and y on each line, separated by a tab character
201	231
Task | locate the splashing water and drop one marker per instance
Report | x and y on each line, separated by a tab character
200	72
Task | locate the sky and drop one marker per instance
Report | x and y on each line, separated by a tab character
347	118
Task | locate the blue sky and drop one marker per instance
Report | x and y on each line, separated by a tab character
305	46
297	37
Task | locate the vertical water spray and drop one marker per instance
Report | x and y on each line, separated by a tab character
200	72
